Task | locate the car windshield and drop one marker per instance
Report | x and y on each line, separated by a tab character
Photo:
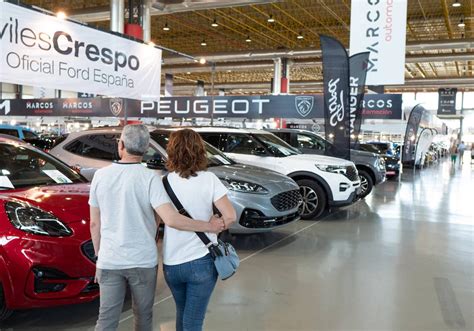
275	145
214	157
22	166
383	147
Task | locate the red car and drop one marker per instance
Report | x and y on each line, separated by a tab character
46	253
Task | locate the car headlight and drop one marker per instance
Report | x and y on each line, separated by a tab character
332	168
243	186
35	220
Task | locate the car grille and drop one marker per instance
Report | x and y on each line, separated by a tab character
352	174
287	200
88	250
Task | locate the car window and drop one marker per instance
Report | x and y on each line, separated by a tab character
10	132
151	154
214	156
22	166
240	144
310	142
96	146
275	145
213	139
29	135
286	136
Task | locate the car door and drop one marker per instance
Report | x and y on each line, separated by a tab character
310	144
244	148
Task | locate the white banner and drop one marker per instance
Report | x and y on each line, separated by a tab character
379	26
41	50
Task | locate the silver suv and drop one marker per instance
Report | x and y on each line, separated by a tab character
264	200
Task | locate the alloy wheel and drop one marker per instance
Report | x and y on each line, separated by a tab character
364	184
310	200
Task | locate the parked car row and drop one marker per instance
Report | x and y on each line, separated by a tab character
46	254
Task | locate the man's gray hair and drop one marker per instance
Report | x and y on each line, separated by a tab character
136	139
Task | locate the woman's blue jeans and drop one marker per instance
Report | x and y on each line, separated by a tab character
191	284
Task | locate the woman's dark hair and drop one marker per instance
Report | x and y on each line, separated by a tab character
186	153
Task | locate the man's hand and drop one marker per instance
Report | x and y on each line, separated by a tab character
217	224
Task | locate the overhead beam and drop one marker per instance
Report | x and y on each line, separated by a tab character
102	13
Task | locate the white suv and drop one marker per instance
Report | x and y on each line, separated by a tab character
324	181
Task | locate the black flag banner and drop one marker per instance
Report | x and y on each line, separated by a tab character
411	134
358	74
336	95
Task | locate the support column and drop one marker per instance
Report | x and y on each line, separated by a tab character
146	21
285	76
276	76
117	13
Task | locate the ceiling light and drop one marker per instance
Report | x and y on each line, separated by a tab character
61	15
166	27
248	39
461	23
202	60
456	3
300	36
270	19
203	43
214	24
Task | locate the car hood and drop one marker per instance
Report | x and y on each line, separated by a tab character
321	159
250	173
67	202
359	153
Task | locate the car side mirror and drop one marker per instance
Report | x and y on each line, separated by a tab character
260	151
156	163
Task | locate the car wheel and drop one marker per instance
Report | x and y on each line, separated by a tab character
366	183
4	311
314	199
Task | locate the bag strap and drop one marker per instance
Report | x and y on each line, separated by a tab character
183	211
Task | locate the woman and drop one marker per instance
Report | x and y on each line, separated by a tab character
454	153
189	269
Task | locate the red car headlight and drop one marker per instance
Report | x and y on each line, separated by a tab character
34	220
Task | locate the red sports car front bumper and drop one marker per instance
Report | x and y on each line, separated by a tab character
44	272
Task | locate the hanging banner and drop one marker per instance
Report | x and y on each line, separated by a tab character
358	74
411	134
336	96
42	50
379	26
380	106
447	101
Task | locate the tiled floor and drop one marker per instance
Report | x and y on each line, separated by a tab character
403	259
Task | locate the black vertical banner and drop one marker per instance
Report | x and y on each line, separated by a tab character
358	74
409	145
336	95
447	101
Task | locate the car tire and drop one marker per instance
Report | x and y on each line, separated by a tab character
366	183
314	199
4	311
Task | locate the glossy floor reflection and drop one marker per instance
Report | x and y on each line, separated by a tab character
402	259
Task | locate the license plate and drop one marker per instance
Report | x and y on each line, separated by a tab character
390	173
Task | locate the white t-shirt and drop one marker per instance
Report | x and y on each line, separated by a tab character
126	194
196	194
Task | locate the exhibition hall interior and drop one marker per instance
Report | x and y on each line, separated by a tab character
237	165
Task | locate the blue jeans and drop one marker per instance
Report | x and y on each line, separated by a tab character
191	284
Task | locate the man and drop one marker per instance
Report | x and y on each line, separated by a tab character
123	200
461	149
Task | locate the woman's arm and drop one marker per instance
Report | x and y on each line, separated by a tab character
227	210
